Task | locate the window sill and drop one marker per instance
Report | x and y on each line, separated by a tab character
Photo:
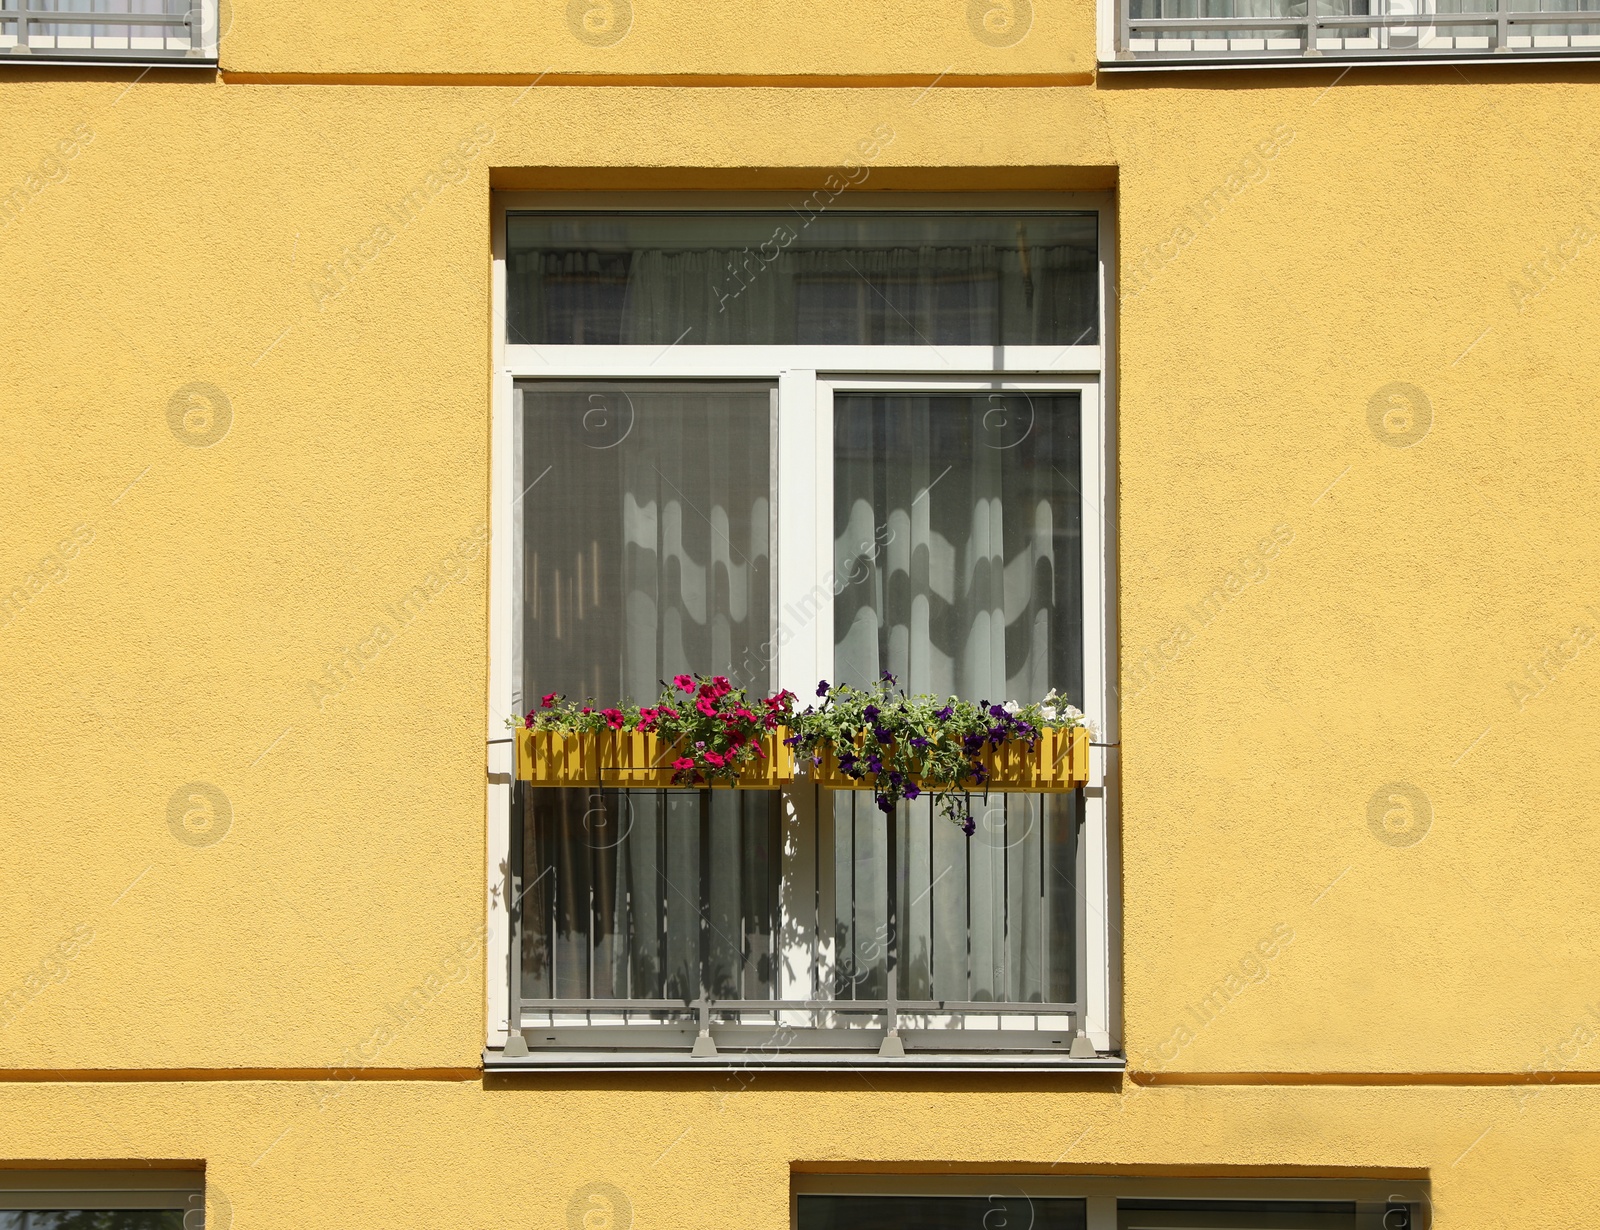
41	59
827	1061
1341	60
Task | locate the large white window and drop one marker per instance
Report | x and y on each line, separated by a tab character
792	445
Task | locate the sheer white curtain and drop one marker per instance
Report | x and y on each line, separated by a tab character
645	530
957	520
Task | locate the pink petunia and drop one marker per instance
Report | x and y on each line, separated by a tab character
713	758
706	707
548	699
682	763
685	683
613	717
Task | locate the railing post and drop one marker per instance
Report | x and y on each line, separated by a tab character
516	1045
1124	47
893	1047
1311	48
22	47
1502	34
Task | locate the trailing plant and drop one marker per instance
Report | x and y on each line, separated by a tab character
915	745
704	719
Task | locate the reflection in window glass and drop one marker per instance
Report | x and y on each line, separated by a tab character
92	1219
802	277
1244	1215
646	524
957	525
1008	1209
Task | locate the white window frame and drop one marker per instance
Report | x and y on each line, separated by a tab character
807	378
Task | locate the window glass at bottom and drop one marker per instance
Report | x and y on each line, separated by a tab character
1241	1215
1004	1211
92	1219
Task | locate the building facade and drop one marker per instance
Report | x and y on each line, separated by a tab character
370	372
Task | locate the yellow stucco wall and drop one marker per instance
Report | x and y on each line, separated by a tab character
1434	543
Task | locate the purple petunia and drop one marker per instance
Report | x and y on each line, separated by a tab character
912	792
944	715
822	688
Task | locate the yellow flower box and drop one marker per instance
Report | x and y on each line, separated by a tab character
1058	762
633	759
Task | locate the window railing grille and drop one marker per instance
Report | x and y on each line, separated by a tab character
136	30
1185	30
643	917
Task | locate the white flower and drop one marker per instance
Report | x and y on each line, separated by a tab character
1011	707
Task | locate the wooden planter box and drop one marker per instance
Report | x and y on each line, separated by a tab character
1058	762
631	759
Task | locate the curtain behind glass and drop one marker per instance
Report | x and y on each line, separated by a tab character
646	530
803	278
957	522
650	894
958	528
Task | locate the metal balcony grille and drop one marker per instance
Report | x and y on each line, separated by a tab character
1348	30
132	31
646	917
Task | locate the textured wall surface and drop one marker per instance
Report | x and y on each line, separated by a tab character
1358	596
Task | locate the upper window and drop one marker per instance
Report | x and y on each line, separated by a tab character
1252	31
798	277
69	1199
880	450
132	31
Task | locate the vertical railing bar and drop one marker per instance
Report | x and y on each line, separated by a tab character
816	893
1502	25
1004	990
516	821
966	857
854	861
933	938
1044	904
593	907
705	899
892	917
1124	46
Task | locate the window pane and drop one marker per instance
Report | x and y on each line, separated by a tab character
93	1219
803	277
649	894
645	521
957	524
1008	1211
1238	1215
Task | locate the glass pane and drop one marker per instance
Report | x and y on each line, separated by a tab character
1239	1215
646	530
958	526
93	1219
649	894
803	277
1005	1210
